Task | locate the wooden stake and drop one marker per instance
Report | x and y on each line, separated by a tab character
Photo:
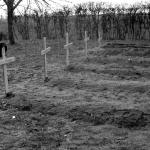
99	39
44	52
5	72
86	46
67	46
4	62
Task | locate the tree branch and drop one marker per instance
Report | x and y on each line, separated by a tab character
16	5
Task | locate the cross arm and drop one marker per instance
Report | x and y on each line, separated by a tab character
43	52
67	45
87	39
7	60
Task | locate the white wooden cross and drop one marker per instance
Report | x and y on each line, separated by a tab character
4	61
86	46
44	52
67	46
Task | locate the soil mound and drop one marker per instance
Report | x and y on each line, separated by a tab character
98	115
63	83
125	49
124	45
75	68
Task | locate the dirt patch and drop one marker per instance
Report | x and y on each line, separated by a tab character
126	86
112	49
30	104
125	45
98	115
19	102
128	74
77	108
30	124
124	73
118	61
74	68
63	83
140	52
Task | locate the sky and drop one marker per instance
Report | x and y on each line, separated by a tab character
59	3
110	1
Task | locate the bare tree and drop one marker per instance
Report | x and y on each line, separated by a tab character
38	19
11	6
22	25
81	19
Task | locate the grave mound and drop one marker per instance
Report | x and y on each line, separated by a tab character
63	83
99	115
124	45
112	49
74	68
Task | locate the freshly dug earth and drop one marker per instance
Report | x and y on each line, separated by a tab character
97	103
128	118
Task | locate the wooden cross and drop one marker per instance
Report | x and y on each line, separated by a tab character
4	63
44	52
67	46
86	47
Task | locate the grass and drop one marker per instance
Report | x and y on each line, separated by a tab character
99	103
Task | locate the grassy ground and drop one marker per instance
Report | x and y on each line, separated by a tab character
99	103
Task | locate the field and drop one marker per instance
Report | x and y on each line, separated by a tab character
98	103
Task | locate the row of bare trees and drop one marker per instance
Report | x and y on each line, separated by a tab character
127	23
41	24
118	22
12	5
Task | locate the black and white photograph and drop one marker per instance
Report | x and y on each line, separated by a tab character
75	75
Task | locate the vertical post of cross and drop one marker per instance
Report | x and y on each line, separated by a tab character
67	54
5	72
86	46
44	52
45	62
67	49
99	39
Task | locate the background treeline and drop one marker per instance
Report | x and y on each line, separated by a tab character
112	22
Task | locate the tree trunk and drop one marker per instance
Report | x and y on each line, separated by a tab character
10	25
